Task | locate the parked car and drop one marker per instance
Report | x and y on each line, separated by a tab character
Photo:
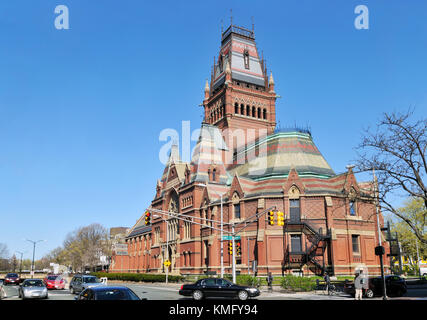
2	293
395	286
12	278
107	293
33	288
81	282
54	282
216	288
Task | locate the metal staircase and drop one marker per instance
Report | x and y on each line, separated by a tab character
314	254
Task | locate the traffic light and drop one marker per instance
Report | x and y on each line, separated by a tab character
271	218
230	247
238	248
280	218
147	218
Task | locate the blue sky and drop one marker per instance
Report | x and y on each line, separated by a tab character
81	110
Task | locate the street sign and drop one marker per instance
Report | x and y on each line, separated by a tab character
167	263
230	238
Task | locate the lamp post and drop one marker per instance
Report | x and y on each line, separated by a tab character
222	231
380	247
34	251
418	258
167	244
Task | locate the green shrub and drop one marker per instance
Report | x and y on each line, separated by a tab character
247	280
143	277
295	283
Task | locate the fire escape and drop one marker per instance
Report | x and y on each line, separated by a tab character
316	242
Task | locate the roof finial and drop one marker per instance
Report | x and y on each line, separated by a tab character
207	86
222	26
271	81
253	24
231	16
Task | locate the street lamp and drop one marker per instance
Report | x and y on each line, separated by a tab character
222	233
167	244
34	251
380	251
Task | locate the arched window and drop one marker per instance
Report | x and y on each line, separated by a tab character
248	110
253	112
264	114
242	109
236	108
214	175
259	113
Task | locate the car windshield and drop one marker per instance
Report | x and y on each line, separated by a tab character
116	294
12	275
33	283
91	280
52	277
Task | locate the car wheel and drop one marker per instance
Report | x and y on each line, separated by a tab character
369	293
197	295
243	295
72	290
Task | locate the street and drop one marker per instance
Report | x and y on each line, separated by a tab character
170	292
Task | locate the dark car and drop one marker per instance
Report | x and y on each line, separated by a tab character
107	293
81	282
395	286
216	288
12	278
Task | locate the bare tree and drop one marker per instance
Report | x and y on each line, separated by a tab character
84	246
4	255
4	252
397	151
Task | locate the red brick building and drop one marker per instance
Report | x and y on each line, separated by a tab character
330	221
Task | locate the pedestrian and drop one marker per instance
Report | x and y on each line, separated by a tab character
327	282
358	285
270	282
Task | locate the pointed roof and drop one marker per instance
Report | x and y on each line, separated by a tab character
208	152
271	80
237	45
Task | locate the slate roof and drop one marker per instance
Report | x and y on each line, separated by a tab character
275	155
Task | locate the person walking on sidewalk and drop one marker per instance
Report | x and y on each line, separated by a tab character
358	285
327	282
270	282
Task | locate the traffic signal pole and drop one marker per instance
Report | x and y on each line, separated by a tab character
379	238
233	235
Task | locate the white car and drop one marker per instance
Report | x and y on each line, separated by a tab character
33	288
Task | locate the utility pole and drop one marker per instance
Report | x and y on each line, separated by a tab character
380	254
34	251
233	235
418	258
167	249
222	241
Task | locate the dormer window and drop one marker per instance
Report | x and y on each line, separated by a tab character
214	175
246	58
220	62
